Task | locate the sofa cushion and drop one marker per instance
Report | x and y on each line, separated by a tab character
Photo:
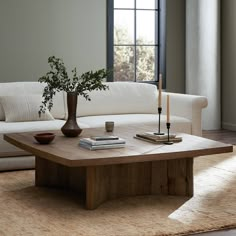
9	89
16	163
26	88
120	98
178	124
58	109
23	108
16	127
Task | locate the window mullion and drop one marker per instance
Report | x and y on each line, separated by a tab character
110	41
115	54
157	40
162	36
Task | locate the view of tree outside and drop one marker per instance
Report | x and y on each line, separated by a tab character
124	59
129	54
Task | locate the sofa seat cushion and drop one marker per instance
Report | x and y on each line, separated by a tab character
178	124
16	127
17	163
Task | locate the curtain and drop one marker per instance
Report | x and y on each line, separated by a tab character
203	57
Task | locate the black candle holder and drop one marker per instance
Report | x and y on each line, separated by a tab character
168	142
159	124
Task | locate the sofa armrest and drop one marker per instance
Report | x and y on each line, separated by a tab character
187	106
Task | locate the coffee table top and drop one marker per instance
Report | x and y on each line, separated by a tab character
66	151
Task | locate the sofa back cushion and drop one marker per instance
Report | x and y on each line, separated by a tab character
34	88
23	108
120	98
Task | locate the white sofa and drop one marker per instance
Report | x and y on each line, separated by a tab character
124	103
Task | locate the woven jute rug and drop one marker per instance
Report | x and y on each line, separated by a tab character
28	210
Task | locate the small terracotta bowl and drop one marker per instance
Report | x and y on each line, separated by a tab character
44	138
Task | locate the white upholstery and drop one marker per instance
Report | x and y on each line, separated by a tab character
188	106
16	127
120	98
124	103
25	88
9	89
23	108
179	124
17	163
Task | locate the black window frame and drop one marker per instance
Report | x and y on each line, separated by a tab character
160	34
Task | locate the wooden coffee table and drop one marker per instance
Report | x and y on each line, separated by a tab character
138	169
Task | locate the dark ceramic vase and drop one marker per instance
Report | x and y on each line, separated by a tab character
71	128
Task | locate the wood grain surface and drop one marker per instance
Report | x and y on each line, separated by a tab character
138	169
66	151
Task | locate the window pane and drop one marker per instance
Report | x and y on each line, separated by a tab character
123	63
145	4
145	63
124	3
123	27
145	27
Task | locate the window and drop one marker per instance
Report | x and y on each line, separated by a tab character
136	40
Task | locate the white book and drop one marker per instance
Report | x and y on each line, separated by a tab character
101	142
100	147
104	137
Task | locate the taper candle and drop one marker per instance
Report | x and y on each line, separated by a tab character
168	109
160	88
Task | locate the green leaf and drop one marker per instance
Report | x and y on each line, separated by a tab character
57	79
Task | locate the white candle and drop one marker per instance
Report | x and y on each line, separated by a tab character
160	88
168	109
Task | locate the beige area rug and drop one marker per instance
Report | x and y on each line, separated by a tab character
28	210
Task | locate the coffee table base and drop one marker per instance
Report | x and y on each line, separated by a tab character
101	183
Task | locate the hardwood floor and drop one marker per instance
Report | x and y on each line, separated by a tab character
225	136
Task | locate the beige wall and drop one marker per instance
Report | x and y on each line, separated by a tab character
175	45
75	30
33	30
228	64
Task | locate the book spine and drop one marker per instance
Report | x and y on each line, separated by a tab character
107	142
99	147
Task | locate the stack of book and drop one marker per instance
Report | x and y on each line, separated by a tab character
102	142
155	138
